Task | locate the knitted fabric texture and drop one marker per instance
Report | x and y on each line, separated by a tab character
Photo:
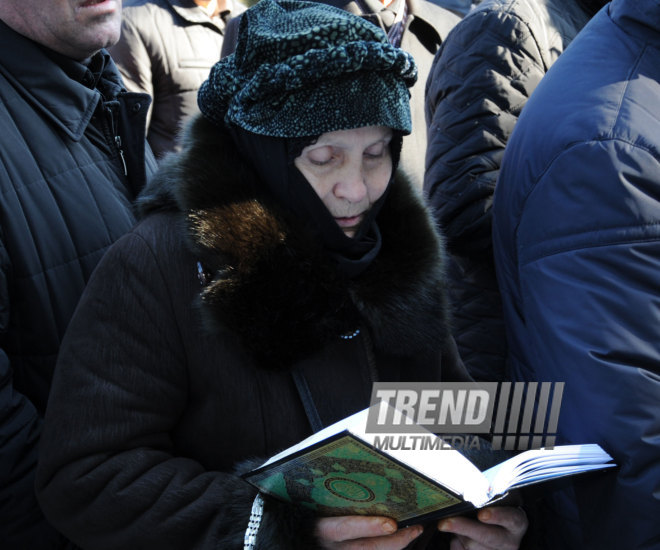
305	68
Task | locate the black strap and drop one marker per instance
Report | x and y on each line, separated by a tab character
307	400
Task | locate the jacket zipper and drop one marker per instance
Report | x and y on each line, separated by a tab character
121	153
117	138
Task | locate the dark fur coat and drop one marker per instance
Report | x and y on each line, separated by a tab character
188	381
272	281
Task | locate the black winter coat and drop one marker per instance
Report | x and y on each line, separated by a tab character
481	79
187	381
64	199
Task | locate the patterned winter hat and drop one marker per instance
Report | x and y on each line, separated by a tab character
306	68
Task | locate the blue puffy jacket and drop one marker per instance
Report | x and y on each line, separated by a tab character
577	248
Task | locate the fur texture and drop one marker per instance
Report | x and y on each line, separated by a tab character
273	284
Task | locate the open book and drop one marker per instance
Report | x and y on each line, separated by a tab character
343	470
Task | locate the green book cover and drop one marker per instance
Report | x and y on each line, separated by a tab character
344	476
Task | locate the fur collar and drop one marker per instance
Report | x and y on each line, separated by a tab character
271	282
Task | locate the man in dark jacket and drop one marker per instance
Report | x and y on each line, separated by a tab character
576	234
480	80
72	158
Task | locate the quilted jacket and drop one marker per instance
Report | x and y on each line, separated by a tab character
65	196
480	80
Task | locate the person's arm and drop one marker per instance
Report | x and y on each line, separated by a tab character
109	475
22	524
19	435
588	256
481	78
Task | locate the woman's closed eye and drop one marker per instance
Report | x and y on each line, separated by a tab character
321	156
376	151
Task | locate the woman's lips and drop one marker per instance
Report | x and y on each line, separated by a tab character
349	221
349	224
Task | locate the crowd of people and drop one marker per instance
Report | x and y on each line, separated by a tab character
220	225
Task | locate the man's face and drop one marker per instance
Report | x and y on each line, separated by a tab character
75	28
349	170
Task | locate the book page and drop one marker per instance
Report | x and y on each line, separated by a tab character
542	464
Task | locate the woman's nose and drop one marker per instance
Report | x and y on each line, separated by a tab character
351	185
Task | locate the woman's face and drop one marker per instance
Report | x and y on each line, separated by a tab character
349	170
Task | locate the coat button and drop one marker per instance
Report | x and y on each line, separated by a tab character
136	107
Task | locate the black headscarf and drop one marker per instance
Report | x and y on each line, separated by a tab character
273	159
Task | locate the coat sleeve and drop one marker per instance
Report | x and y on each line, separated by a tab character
590	310
19	433
109	475
481	77
22	524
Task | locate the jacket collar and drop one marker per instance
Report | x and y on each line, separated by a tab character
273	284
67	103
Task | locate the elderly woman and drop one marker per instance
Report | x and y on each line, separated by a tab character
319	275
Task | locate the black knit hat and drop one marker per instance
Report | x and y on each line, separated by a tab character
305	68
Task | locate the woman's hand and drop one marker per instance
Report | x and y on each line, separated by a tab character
497	527
364	533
